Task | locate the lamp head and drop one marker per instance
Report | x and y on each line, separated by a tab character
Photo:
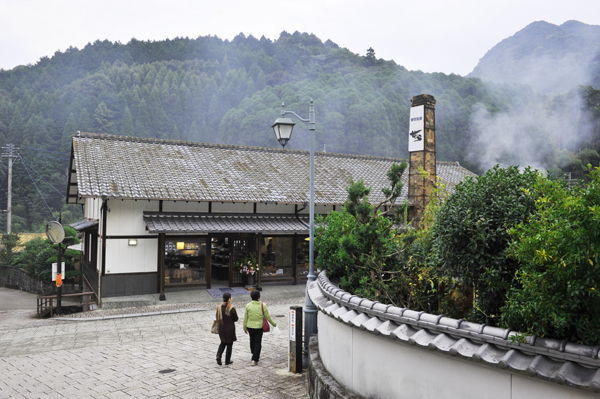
283	130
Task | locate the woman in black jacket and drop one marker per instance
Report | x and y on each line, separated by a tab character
228	317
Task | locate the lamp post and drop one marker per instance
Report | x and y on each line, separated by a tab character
283	131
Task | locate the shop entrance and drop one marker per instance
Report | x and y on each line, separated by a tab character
228	253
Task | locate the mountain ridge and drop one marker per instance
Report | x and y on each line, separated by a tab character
230	92
550	58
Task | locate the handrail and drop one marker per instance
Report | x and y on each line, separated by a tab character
46	302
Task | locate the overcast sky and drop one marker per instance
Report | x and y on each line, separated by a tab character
434	36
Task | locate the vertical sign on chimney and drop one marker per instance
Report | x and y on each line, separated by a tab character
416	131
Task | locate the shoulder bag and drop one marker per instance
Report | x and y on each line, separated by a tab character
215	325
266	326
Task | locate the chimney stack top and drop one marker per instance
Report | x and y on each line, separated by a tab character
423	99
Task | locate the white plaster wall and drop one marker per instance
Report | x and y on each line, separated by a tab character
122	258
98	253
274	208
126	217
182	206
338	353
378	367
528	388
404	371
230	207
91	208
320	209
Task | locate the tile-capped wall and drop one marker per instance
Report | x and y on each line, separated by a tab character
573	365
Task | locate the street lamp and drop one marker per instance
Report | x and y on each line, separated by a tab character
283	131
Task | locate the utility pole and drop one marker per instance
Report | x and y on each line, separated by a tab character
10	153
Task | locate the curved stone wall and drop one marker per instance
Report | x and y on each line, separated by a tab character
378	350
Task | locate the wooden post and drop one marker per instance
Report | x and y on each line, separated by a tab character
161	265
259	249
294	260
208	260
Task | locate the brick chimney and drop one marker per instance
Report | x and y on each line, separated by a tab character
421	146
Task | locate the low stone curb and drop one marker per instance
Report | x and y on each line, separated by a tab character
123	316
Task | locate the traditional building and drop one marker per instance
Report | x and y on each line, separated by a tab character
164	214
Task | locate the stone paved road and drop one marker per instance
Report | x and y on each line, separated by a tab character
122	358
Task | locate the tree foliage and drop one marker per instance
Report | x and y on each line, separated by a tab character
363	246
471	236
39	254
558	252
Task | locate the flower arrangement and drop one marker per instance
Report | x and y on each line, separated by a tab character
248	265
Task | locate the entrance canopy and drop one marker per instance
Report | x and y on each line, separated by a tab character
85	224
178	223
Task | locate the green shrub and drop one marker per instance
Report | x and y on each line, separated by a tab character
471	236
558	250
363	247
27	258
329	233
39	254
8	242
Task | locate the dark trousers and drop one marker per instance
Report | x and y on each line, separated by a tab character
227	354
255	342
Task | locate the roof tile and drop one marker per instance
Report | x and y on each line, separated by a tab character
142	168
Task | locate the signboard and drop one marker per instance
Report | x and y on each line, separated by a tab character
292	328
416	129
54	271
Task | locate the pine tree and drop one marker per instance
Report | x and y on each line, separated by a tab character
85	122
103	119
16	128
371	55
127	124
69	130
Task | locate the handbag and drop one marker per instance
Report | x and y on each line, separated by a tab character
217	323
266	326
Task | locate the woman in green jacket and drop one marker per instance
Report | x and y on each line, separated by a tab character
253	321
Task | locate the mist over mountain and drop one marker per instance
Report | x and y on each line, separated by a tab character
551	59
212	90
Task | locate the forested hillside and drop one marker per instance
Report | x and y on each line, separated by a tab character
211	90
548	57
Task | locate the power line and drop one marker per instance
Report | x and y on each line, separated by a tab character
46	156
20	157
56	152
39	192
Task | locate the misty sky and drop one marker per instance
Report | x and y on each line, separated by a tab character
433	36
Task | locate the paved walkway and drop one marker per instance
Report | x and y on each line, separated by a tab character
134	356
12	299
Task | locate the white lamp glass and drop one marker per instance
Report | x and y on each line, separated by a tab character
283	128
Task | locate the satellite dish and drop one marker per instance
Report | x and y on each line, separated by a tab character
55	232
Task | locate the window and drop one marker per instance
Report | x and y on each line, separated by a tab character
185	260
277	257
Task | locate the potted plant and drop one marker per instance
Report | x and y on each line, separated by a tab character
248	267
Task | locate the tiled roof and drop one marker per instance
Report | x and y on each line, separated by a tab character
141	168
158	222
84	224
547	359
